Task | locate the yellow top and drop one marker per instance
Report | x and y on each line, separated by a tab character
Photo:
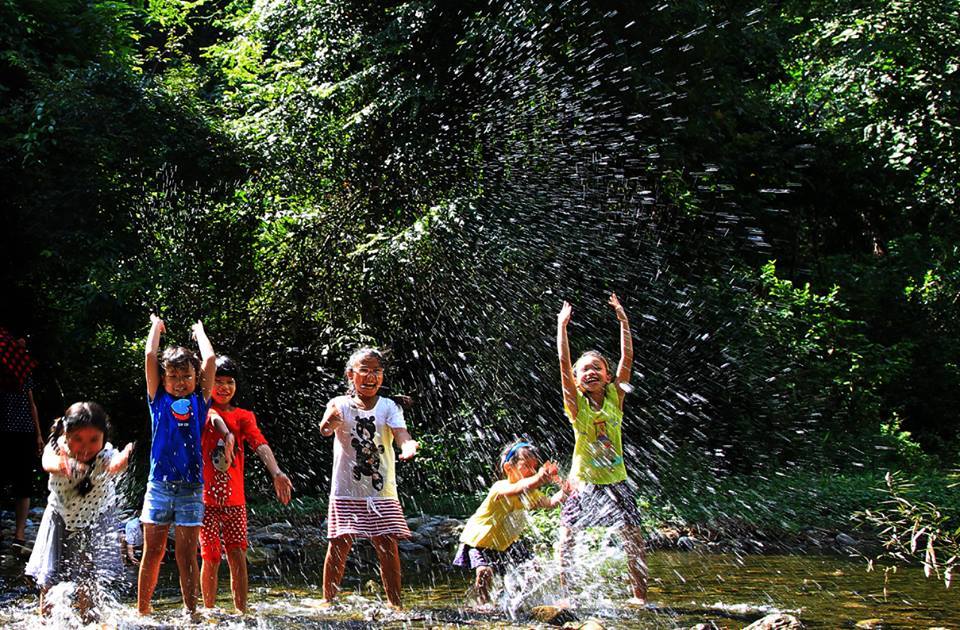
499	520
598	451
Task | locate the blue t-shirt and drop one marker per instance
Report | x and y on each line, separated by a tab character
177	423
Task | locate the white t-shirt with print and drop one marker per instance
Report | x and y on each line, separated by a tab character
363	461
78	511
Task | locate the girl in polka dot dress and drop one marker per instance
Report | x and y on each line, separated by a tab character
77	540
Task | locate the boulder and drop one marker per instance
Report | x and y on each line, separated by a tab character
845	540
776	621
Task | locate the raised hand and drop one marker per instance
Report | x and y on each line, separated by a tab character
197	330
158	323
617	308
566	311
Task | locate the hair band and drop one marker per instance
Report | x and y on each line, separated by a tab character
514	449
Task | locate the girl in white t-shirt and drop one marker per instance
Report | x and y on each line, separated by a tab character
77	540
363	487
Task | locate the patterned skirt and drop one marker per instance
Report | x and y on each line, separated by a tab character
365	518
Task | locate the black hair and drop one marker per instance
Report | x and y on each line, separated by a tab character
359	355
594	354
525	448
178	357
226	366
78	415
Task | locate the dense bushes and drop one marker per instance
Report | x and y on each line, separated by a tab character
309	176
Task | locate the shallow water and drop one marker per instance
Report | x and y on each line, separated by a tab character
687	588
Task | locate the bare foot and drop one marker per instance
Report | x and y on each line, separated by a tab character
325	603
636	601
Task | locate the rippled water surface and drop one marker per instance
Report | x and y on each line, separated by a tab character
687	588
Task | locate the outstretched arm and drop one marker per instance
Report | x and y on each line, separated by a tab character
567	382
408	445
208	361
331	420
281	483
626	347
547	472
152	356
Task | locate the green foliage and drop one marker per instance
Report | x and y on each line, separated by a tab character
913	529
309	176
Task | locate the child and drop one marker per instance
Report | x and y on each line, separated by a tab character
175	487
224	505
77	540
491	538
363	489
131	539
594	405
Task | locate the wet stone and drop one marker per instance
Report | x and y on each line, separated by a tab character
776	621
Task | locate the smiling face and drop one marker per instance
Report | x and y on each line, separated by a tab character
523	464
180	382
224	389
83	443
591	374
366	376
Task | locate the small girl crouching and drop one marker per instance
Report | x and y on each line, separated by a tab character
77	540
491	538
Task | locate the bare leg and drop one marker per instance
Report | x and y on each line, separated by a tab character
185	544
209	578
44	606
154	546
237	559
389	556
21	509
334	564
483	584
636	563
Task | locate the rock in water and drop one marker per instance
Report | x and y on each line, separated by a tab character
554	615
776	621
869	624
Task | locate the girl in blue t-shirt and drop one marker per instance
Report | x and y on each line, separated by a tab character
175	487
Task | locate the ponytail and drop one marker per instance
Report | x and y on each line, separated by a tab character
55	431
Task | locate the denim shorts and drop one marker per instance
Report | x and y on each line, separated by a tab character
173	502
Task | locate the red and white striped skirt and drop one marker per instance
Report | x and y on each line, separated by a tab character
365	518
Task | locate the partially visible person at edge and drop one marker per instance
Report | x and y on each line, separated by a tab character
602	495
174	496
224	502
23	439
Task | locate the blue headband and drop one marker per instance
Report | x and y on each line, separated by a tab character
513	450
